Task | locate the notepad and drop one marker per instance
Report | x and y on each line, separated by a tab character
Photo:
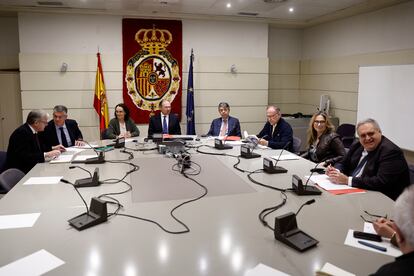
63	158
35	264
18	221
264	270
83	157
289	156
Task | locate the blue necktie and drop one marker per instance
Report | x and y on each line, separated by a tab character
164	125
360	166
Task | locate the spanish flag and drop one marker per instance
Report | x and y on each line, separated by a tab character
100	101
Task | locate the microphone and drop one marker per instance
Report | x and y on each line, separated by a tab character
79	167
286	230
219	144
96	214
299	189
268	164
94	160
91	181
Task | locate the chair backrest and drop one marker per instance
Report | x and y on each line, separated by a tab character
9	178
347	134
3	158
411	167
297	142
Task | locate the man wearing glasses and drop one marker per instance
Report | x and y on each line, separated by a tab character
374	163
276	133
25	150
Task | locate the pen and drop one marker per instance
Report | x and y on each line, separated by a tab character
380	248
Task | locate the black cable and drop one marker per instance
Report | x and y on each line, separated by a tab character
267	211
261	184
76	189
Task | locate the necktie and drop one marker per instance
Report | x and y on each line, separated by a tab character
361	164
63	138
223	130
164	125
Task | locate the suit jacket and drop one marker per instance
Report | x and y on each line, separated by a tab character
114	129
155	125
233	126
282	135
402	266
386	169
329	149
24	152
49	136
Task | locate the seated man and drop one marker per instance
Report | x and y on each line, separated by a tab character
374	163
61	130
276	133
164	122
226	125
25	150
400	231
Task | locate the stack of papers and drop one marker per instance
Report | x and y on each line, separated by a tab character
322	180
63	158
289	156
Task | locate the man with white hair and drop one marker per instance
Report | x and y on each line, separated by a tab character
374	163
25	149
401	232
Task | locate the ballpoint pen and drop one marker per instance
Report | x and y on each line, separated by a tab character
377	247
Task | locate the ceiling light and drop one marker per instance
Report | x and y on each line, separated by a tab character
228	5
291	9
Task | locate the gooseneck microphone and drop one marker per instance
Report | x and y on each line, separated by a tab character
313	170
268	166
79	167
91	181
76	189
95	160
287	231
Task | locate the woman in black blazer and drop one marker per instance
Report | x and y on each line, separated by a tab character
122	125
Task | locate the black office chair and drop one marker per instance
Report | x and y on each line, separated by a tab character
347	134
9	178
3	158
297	142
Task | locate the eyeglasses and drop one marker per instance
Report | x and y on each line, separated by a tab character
373	217
319	122
368	134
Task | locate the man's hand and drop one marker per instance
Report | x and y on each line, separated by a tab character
60	148
52	154
336	176
384	227
79	143
263	142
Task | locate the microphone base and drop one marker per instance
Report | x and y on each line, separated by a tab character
85	182
95	160
223	147
287	232
97	214
306	190
250	155
274	170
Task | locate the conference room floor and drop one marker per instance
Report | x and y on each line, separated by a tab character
225	238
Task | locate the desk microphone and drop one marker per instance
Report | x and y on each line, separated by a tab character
286	230
96	214
275	168
312	172
91	181
95	160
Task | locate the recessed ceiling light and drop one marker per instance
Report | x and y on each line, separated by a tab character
228	5
291	9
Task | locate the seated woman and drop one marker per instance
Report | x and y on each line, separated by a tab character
323	143
122	125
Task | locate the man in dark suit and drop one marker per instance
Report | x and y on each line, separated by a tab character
164	122
400	231
25	150
61	130
374	163
226	125
276	133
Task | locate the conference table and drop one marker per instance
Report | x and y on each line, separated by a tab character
225	238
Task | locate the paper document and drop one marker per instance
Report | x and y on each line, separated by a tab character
391	250
83	157
369	228
63	158
74	150
86	146
41	180
323	181
289	156
18	221
264	270
333	270
234	143
35	264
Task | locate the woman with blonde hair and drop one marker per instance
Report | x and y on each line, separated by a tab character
324	145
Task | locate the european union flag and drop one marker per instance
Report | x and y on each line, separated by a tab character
190	99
